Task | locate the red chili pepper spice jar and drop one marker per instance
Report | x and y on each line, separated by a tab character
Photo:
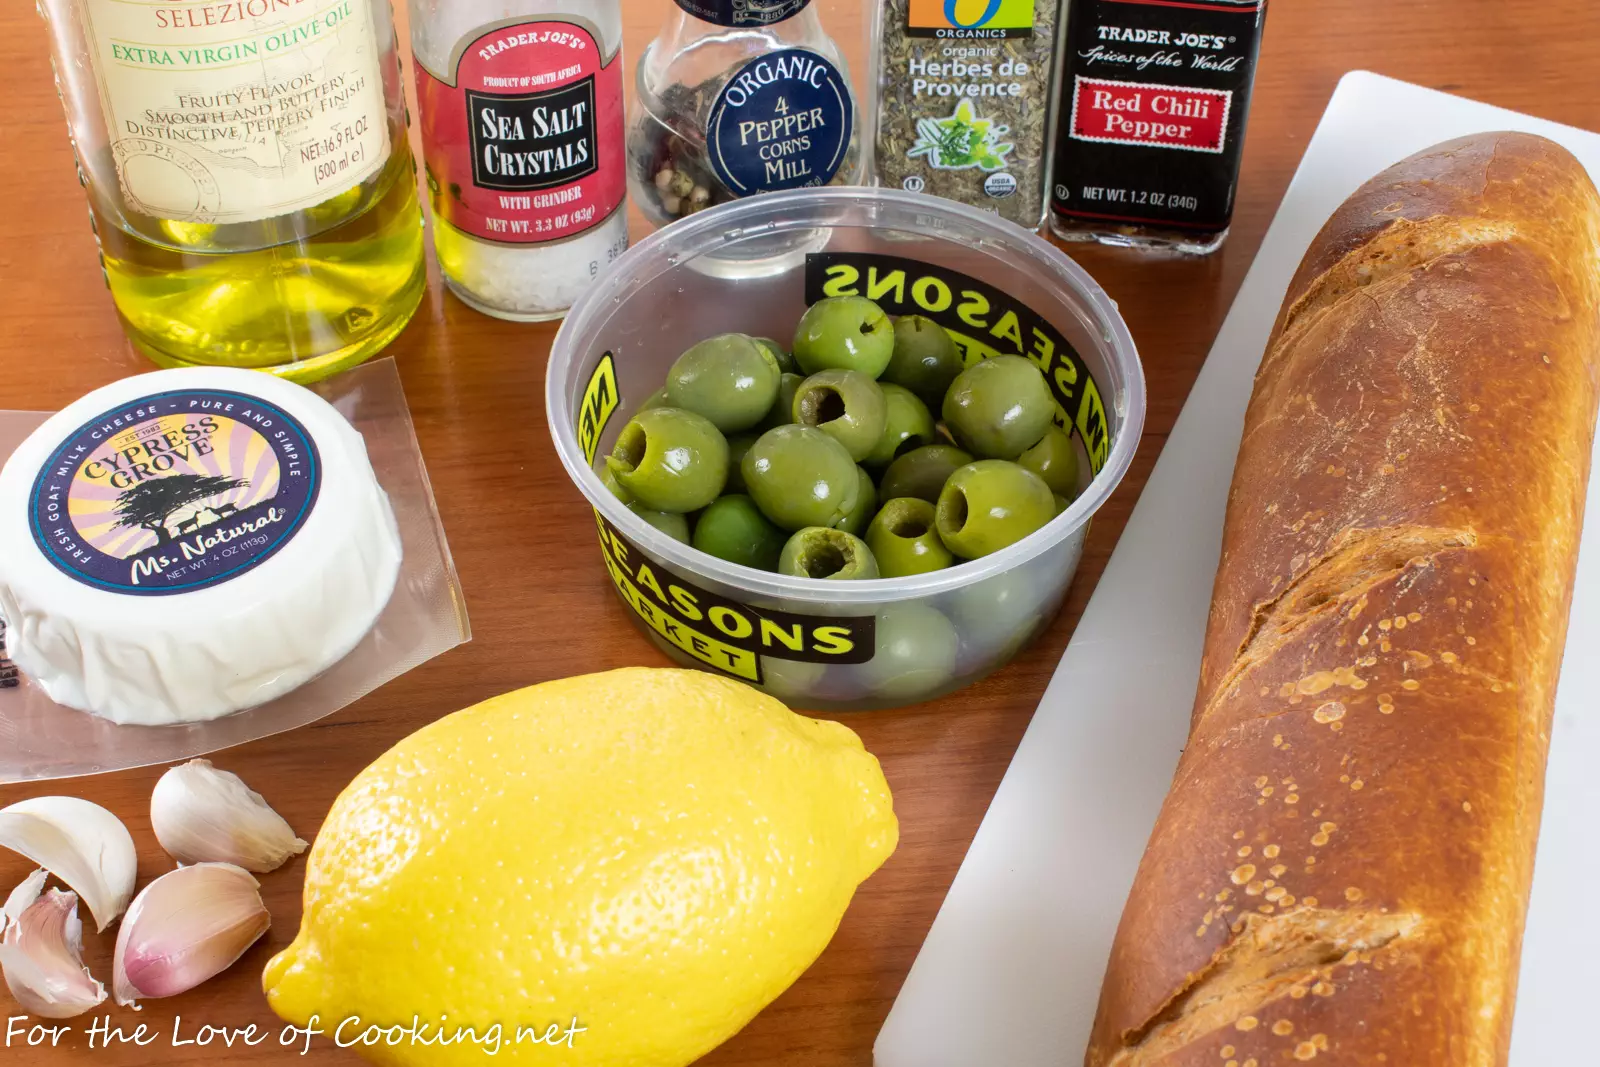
1154	97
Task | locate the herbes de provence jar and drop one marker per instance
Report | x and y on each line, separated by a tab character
962	100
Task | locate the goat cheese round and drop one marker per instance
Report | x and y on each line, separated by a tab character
181	545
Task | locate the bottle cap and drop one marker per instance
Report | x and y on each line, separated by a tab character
743	12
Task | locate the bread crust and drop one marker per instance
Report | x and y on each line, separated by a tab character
1341	870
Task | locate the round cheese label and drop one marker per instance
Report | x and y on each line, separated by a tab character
175	492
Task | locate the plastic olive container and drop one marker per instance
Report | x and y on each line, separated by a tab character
753	266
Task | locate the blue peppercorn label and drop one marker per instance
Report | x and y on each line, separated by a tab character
175	492
784	121
743	12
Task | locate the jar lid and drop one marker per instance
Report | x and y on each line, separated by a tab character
743	12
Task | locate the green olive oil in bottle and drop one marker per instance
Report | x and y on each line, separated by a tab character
249	177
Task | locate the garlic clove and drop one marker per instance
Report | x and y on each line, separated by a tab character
26	893
80	843
185	927
41	959
203	815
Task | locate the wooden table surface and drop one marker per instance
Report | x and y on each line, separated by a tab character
475	383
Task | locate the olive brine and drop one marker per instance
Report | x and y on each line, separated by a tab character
825	460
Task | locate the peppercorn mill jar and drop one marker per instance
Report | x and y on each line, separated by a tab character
522	142
735	98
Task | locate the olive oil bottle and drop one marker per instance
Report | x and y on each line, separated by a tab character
248	175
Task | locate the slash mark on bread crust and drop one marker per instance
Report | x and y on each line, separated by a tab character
1398	250
1358	561
1263	963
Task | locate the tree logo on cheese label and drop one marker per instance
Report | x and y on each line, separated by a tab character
177	504
175	492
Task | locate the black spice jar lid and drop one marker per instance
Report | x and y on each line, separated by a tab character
743	12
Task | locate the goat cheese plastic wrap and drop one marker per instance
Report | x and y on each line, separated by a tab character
182	545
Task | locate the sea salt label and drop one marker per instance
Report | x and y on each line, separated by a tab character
523	133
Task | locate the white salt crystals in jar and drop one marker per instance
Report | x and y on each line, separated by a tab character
522	136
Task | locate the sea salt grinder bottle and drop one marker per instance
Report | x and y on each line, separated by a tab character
522	140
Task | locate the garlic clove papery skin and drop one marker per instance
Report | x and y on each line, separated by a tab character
25	894
80	843
40	956
204	815
184	928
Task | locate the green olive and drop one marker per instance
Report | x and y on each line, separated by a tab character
847	406
799	476
925	358
657	399
844	333
670	523
738	445
922	472
792	680
990	504
782	413
729	379
608	478
915	652
670	460
1055	459
780	355
1001	613
734	529
999	407
903	539
907	425
822	552
866	504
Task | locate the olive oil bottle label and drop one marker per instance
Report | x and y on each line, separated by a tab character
226	111
175	492
523	134
782	122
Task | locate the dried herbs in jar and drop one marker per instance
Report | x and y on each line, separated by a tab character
963	100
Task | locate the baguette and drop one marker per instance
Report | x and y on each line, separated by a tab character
1341	870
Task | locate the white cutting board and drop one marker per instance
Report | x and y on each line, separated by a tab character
1010	973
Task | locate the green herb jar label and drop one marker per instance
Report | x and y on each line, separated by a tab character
784	121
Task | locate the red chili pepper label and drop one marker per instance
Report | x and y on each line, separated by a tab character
523	141
1163	116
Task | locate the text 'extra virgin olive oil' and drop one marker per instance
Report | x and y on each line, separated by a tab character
249	176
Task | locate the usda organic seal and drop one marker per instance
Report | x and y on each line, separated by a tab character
783	121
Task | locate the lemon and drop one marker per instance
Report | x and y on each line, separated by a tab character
616	869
